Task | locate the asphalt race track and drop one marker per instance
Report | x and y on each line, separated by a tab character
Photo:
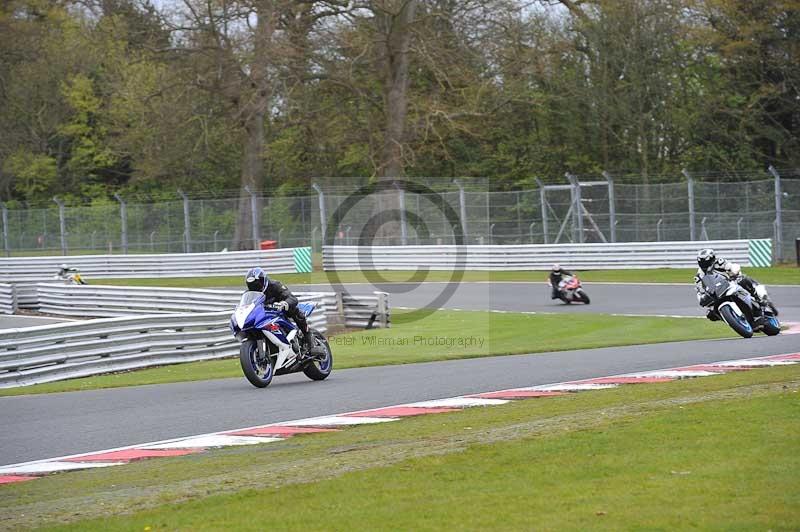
607	298
52	425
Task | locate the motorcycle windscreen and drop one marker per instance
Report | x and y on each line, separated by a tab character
716	284
250	298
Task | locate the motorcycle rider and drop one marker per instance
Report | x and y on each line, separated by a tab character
556	276
708	261
277	296
65	274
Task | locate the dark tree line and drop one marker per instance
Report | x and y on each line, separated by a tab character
103	96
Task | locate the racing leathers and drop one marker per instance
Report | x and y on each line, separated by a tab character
555	279
733	272
275	292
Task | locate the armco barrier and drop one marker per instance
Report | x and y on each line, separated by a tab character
358	312
108	301
541	257
8	299
26	271
47	353
36	269
116	301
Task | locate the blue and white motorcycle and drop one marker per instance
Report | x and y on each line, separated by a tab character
736	307
271	344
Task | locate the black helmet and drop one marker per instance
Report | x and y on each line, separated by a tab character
706	258
256	280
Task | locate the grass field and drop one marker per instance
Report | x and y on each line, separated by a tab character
769	276
715	453
441	336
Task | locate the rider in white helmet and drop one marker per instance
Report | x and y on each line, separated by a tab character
556	275
707	261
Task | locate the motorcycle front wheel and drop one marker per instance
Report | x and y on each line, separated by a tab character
319	369
582	296
256	365
736	322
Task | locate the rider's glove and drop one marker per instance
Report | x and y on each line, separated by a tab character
282	305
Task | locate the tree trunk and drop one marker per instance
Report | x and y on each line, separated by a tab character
253	102
252	176
396	30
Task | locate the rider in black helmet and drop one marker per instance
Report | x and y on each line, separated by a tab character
276	295
707	261
556	275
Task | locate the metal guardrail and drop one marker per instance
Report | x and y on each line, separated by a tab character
532	257
358	312
111	301
46	353
8	299
37	269
333	309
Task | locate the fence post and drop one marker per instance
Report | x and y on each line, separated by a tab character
778	251
383	309
6	244
658	229
62	224
462	205
187	235
543	201
123	214
612	209
739	228
577	203
323	218
703	232
254	216
403	230
690	188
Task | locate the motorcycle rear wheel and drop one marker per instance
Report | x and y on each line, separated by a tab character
737	323
257	366
320	369
771	326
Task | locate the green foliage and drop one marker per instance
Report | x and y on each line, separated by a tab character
117	101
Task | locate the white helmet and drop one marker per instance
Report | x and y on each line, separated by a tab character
734	269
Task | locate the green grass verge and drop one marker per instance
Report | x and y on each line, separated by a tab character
714	453
441	336
769	276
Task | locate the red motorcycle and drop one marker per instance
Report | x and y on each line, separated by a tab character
569	290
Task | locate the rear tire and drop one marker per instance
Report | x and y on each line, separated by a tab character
319	370
257	366
771	327
740	325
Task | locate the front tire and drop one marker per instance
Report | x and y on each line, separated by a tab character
319	370
583	297
736	322
256	365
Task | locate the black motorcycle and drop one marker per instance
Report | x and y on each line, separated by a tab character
736	307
